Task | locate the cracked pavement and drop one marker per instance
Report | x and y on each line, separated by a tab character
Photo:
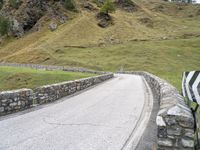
100	118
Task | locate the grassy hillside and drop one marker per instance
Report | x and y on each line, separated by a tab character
16	78
160	37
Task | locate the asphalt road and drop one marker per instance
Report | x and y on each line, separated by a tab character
110	116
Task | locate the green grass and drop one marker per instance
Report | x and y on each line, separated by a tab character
167	59
16	78
164	58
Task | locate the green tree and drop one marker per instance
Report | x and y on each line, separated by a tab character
4	25
70	4
108	7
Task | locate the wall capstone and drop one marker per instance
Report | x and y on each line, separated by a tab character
174	120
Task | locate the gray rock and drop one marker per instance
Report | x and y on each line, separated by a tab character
19	103
4	100
160	122
88	6
13	104
187	143
186	122
189	133
105	19
53	26
165	142
177	111
174	131
16	28
1	109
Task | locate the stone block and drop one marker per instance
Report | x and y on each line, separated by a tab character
165	142
187	143
174	130
1	109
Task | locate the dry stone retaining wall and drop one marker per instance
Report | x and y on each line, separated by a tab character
49	67
174	120
13	101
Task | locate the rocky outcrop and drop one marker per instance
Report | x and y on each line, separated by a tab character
25	14
104	19
127	5
53	26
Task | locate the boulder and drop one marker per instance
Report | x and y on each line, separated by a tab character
88	6
29	13
16	28
103	23
127	5
104	19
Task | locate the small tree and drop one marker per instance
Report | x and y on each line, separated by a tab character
70	4
4	25
108	7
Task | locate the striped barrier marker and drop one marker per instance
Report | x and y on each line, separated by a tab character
191	86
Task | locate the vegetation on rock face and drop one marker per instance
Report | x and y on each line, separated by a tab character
4	26
14	3
1	4
108	7
70	5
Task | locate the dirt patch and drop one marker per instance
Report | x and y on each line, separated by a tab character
198	12
146	21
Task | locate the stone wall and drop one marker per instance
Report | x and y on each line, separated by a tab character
174	120
13	101
51	67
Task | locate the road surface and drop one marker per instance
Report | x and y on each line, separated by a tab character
110	116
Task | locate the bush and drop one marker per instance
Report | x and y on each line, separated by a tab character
15	3
108	7
70	4
1	4
4	25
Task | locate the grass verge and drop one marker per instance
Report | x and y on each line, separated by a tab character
16	78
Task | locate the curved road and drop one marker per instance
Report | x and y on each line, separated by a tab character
110	116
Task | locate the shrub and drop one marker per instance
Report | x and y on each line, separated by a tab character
1	4
70	4
4	25
108	7
15	3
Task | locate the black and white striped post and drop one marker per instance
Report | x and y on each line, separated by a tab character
191	86
191	90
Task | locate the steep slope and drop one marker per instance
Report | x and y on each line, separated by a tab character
26	15
81	42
